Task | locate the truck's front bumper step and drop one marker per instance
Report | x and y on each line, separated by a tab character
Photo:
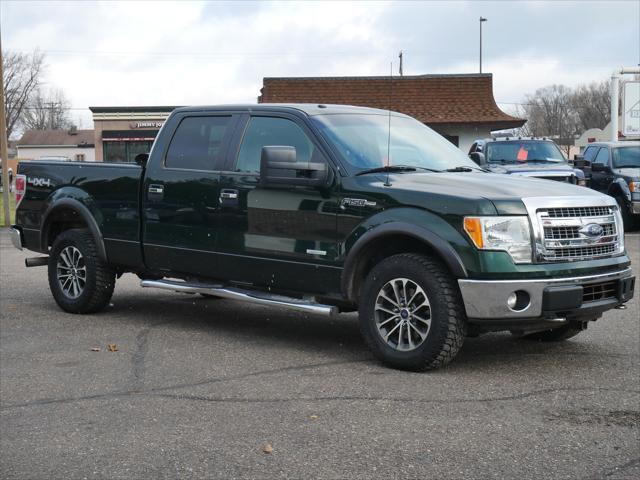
546	298
250	296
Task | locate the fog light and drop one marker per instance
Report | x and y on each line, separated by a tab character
518	301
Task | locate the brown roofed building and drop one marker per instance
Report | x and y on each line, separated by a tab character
72	144
459	106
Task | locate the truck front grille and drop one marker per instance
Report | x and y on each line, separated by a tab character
565	212
558	233
577	233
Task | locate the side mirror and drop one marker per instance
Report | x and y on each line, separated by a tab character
279	167
141	159
478	157
579	161
599	167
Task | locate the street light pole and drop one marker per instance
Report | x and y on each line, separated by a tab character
482	19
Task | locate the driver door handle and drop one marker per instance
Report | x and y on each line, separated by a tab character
227	194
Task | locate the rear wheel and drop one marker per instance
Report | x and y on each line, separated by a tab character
79	281
411	313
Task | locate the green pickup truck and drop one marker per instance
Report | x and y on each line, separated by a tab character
328	209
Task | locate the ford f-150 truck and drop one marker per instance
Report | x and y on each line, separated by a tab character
529	157
325	209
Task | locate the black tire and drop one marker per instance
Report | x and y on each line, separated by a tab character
444	336
559	334
99	278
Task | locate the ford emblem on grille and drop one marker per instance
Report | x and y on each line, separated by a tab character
592	230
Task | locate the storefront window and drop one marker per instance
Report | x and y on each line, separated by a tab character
124	152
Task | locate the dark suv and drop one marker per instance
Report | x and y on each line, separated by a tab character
614	168
529	157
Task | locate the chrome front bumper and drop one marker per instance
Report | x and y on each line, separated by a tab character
487	299
16	238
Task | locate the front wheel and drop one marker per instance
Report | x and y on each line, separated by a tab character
79	280
411	313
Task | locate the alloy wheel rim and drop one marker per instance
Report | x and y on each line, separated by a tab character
402	314
71	272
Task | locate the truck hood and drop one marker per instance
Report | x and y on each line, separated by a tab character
438	191
630	173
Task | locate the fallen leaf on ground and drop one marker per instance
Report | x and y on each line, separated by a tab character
267	448
95	349
314	417
112	347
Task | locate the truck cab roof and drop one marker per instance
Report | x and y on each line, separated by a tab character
310	109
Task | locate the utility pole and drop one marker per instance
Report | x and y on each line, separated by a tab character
482	19
3	148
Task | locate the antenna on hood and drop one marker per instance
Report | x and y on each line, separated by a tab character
386	183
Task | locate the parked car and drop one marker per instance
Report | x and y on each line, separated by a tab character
324	209
614	168
530	157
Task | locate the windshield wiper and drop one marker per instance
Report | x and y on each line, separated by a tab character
465	168
628	166
394	168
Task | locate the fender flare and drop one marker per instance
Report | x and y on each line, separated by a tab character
444	250
619	188
85	214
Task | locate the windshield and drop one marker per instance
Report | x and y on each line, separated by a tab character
522	152
626	157
364	142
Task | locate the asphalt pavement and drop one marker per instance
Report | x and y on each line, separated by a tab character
199	387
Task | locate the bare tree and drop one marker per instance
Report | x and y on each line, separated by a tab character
550	113
47	110
22	75
592	105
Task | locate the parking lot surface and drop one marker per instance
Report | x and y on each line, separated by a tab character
198	387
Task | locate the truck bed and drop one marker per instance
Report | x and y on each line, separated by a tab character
110	191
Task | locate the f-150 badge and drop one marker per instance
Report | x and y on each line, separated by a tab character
356	202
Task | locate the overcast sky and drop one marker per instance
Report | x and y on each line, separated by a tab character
164	53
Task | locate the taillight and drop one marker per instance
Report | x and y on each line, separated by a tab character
21	188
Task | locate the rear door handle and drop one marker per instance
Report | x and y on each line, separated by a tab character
228	197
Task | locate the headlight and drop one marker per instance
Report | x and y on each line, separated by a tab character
509	234
634	186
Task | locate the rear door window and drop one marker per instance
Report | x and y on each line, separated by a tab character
198	143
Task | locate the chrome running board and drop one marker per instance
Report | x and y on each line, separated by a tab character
243	295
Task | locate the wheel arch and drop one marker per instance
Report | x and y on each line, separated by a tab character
389	239
65	214
619	188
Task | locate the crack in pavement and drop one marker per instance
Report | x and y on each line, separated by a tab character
615	470
139	356
152	393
